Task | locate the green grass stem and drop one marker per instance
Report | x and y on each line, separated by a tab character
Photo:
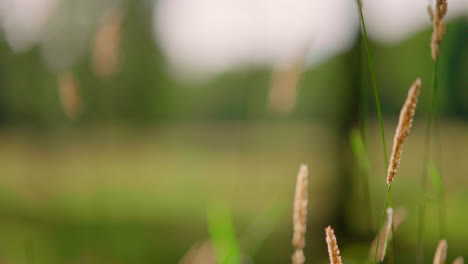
432	124
382	220
382	130
374	84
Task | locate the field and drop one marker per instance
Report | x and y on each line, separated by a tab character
109	195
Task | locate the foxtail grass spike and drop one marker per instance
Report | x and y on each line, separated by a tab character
437	13
332	244
404	126
300	216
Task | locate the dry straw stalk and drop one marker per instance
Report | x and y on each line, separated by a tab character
394	219
300	216
332	244
441	252
437	13
403	129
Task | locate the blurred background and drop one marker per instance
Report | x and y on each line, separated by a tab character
139	131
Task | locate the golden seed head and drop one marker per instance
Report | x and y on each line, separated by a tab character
403	129
332	244
300	215
437	14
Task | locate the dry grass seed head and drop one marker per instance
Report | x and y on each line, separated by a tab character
332	244
441	252
458	260
403	129
437	13
300	216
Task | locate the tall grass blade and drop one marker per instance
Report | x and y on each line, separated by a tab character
388	233
222	234
374	84
382	221
437	11
379	111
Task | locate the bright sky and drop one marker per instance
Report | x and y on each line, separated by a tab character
211	36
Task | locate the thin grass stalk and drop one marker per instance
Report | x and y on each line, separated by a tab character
363	112
388	230
391	256
421	215
438	149
300	216
427	149
437	13
363	105
379	113
398	217
363	100
374	84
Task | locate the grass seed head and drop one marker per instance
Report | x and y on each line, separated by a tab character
437	14
300	216
332	244
403	129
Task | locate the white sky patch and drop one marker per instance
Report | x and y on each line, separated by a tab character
23	21
392	21
207	37
213	36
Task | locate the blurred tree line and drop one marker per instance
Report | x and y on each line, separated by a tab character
143	91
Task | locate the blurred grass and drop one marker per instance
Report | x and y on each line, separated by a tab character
223	234
140	196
